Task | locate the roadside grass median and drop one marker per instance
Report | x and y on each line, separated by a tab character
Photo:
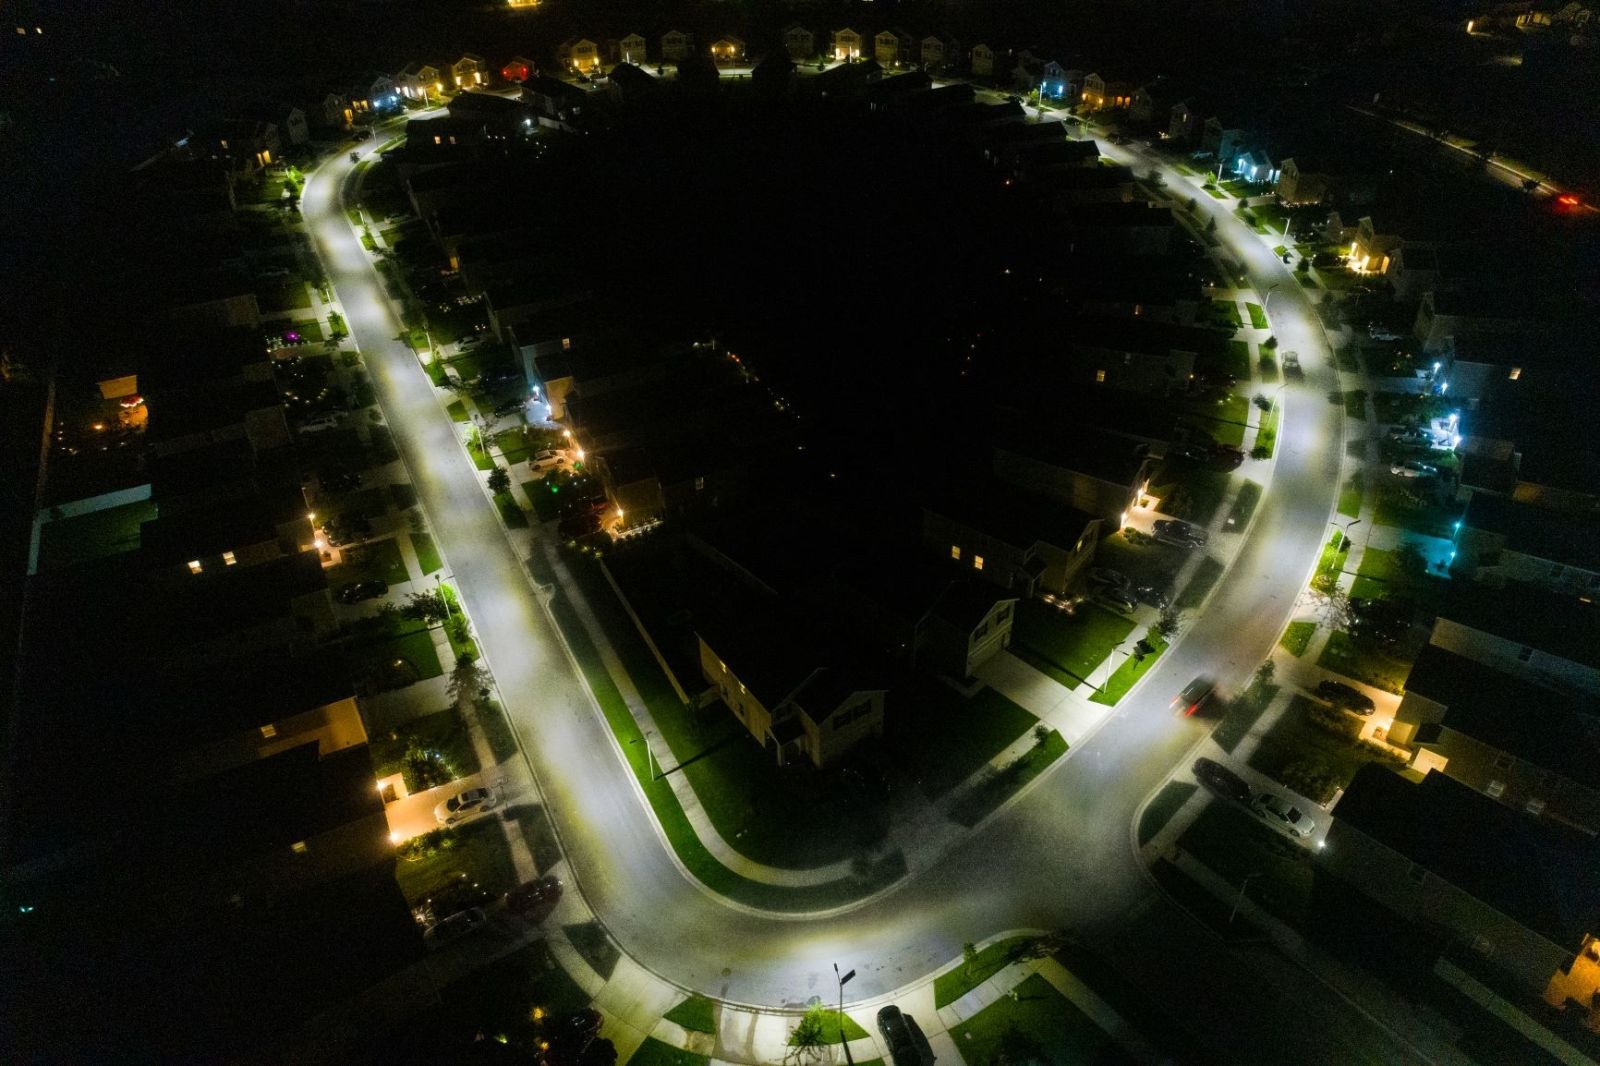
1061	1032
1267	433
1001	785
951	736
1355	404
1330	564
1067	646
457	410
1351	494
1258	315
964	976
509	511
696	1014
1297	638
1128	674
1244	505
1161	808
654	1052
1199	586
427	552
1241	713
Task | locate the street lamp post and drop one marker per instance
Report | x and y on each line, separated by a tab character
1239	900
1347	527
843	979
649	754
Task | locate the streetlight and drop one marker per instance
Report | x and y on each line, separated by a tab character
649	754
1239	900
1347	526
844	979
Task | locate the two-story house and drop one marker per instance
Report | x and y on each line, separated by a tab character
676	46
1088	469
1551	638
939	53
1499	539
727	51
417	80
579	55
1100	94
469	72
630	49
1186	121
1528	746
1018	540
847	44
1302	181
983	61
893	48
799	42
921	615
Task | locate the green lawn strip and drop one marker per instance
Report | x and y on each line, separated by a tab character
96	535
402	496
1396	505
1313	749
538	833
589	940
376	560
433	368
1348	361
1258	316
478	854
1216	194
1199	586
1306	280
1350	495
1074	643
655	1053
1190	492
513	443
1238	356
497	730
480	458
1241	714
1355	404
1227	312
696	1014
1063	1033
950	737
514	518
498	998
832	1032
1378	669
1159	811
405	658
427	552
1297	638
539	495
1373	576
971	808
1267	432
964	976
1129	673
442	732
1235	846
1244	505
675	825
457	630
290	296
457	410
1206	908
1329	565
1268	367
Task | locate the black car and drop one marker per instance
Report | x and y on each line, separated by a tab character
1152	595
1342	695
904	1048
579	525
1172	531
363	590
1223	781
347	527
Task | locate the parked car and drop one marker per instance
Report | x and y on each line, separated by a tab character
464	805
535	900
508	407
454	927
1173	531
1194	695
1104	575
349	526
578	525
1191	453
1277	811
898	1035
1413	468
547	459
499	375
1222	781
362	590
1342	695
1228	457
1155	597
320	423
1291	363
1117	596
1381	333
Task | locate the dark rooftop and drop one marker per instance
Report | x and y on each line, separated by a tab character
1016	517
1560	537
1536	872
1098	453
1557	623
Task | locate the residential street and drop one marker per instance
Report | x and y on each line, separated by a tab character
1062	856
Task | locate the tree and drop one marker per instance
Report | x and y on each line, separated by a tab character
1016	1048
808	1037
969	957
499	480
1266	672
1170	622
1211	224
468	683
426	607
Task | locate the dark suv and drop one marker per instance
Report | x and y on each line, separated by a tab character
1342	695
897	1029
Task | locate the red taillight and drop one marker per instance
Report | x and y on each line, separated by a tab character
1568	199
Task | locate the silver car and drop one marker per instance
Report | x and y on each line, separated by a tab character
1277	811
464	805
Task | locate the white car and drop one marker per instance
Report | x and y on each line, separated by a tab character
1275	810
464	805
1413	468
549	459
320	423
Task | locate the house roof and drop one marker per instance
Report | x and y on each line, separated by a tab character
965	603
630	77
1533	871
1560	537
1487	464
1556	623
1549	729
1010	514
1098	453
1109	333
211	530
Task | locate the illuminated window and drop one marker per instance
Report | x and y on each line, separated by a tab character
566	344
269	731
1516	372
699	484
977	562
1100	375
298	847
437	139
194	566
955	551
228	558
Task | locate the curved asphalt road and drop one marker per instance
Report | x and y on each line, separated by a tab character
1060	857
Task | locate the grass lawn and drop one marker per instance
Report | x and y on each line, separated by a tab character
1306	281
479	854
96	535
589	939
291	296
372	501
310	330
1159	811
1377	668
1239	357
1241	714
1329	565
1226	311
402	659
1224	418
542	499
1355	404
1394	406
1189	492
1267	432
1199	586
1128	674
1307	757
696	1014
1297	638
509	511
1377	569
1236	846
953	737
1064	1033
1350	495
497	998
832	1031
457	410
1215	193
377	560
964	977
1395	505
442	732
480	458
1258	316
514	444
1070	645
654	1053
427	552
985	797
1244	505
